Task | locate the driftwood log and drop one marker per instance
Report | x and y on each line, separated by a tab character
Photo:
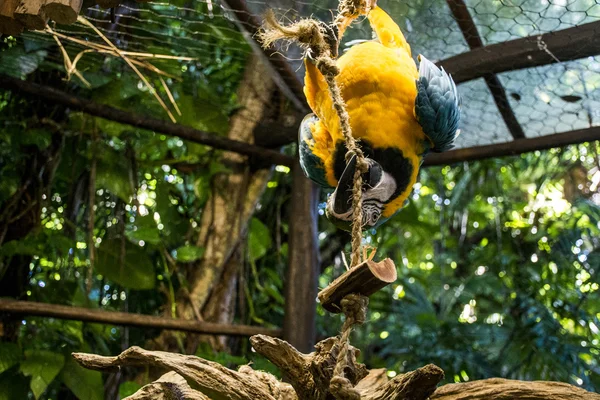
63	11
8	24
193	378
31	14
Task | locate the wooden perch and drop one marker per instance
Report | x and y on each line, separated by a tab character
309	374
29	308
169	386
8	24
504	389
31	14
210	378
63	11
365	279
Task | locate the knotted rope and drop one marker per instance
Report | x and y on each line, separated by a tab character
311	35
354	307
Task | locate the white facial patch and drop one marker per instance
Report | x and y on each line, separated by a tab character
374	199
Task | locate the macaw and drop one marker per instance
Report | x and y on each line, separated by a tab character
397	113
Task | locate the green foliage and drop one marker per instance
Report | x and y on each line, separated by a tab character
188	253
85	384
125	264
13	385
259	239
42	366
498	272
128	388
10	355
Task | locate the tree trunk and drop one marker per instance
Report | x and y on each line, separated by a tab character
211	282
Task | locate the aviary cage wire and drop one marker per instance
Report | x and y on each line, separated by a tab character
548	99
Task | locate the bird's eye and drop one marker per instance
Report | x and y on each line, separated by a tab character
374	218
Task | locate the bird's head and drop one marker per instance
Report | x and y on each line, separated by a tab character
377	189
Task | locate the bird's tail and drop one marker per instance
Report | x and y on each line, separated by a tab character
388	32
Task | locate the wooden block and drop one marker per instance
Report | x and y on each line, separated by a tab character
31	14
8	24
63	11
365	279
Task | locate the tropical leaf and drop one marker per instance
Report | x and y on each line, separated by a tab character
259	239
85	384
134	270
42	366
10	354
188	253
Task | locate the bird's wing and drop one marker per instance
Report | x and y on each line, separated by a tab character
315	148
437	107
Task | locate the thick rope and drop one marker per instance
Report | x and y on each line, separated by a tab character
309	34
354	307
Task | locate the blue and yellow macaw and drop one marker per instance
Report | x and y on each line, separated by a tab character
398	113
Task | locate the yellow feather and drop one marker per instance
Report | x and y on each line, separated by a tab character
377	81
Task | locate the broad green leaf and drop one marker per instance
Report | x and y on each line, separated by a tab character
13	385
175	224
148	235
145	229
85	384
137	271
128	388
114	178
10	354
42	366
188	253
259	239
41	138
18	63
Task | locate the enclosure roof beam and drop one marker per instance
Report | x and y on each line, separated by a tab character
533	51
31	308
281	71
467	26
515	147
56	96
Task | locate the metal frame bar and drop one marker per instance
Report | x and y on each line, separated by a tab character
467	26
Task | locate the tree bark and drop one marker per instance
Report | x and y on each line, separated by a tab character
302	275
225	216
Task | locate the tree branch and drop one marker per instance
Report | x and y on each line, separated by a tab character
141	121
128	319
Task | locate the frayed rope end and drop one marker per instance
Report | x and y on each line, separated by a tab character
306	32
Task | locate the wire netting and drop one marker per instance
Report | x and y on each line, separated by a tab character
554	98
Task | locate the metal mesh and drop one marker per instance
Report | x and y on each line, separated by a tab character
555	98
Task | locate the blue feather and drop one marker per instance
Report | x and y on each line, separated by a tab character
437	105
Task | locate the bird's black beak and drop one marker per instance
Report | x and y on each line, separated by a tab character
343	197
